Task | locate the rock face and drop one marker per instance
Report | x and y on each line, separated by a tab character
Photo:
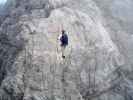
98	63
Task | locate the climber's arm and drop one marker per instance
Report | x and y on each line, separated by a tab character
59	37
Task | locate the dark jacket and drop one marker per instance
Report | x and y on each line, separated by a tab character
64	40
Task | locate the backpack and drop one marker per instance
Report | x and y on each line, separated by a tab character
64	40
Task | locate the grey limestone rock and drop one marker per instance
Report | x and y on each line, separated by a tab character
98	63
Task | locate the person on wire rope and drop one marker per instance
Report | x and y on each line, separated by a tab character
64	42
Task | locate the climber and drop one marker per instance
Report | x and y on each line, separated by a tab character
64	42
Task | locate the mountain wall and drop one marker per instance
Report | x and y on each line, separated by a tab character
98	63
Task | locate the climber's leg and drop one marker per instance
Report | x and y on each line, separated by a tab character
63	51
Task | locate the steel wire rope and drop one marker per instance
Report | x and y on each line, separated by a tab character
66	63
28	59
53	68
